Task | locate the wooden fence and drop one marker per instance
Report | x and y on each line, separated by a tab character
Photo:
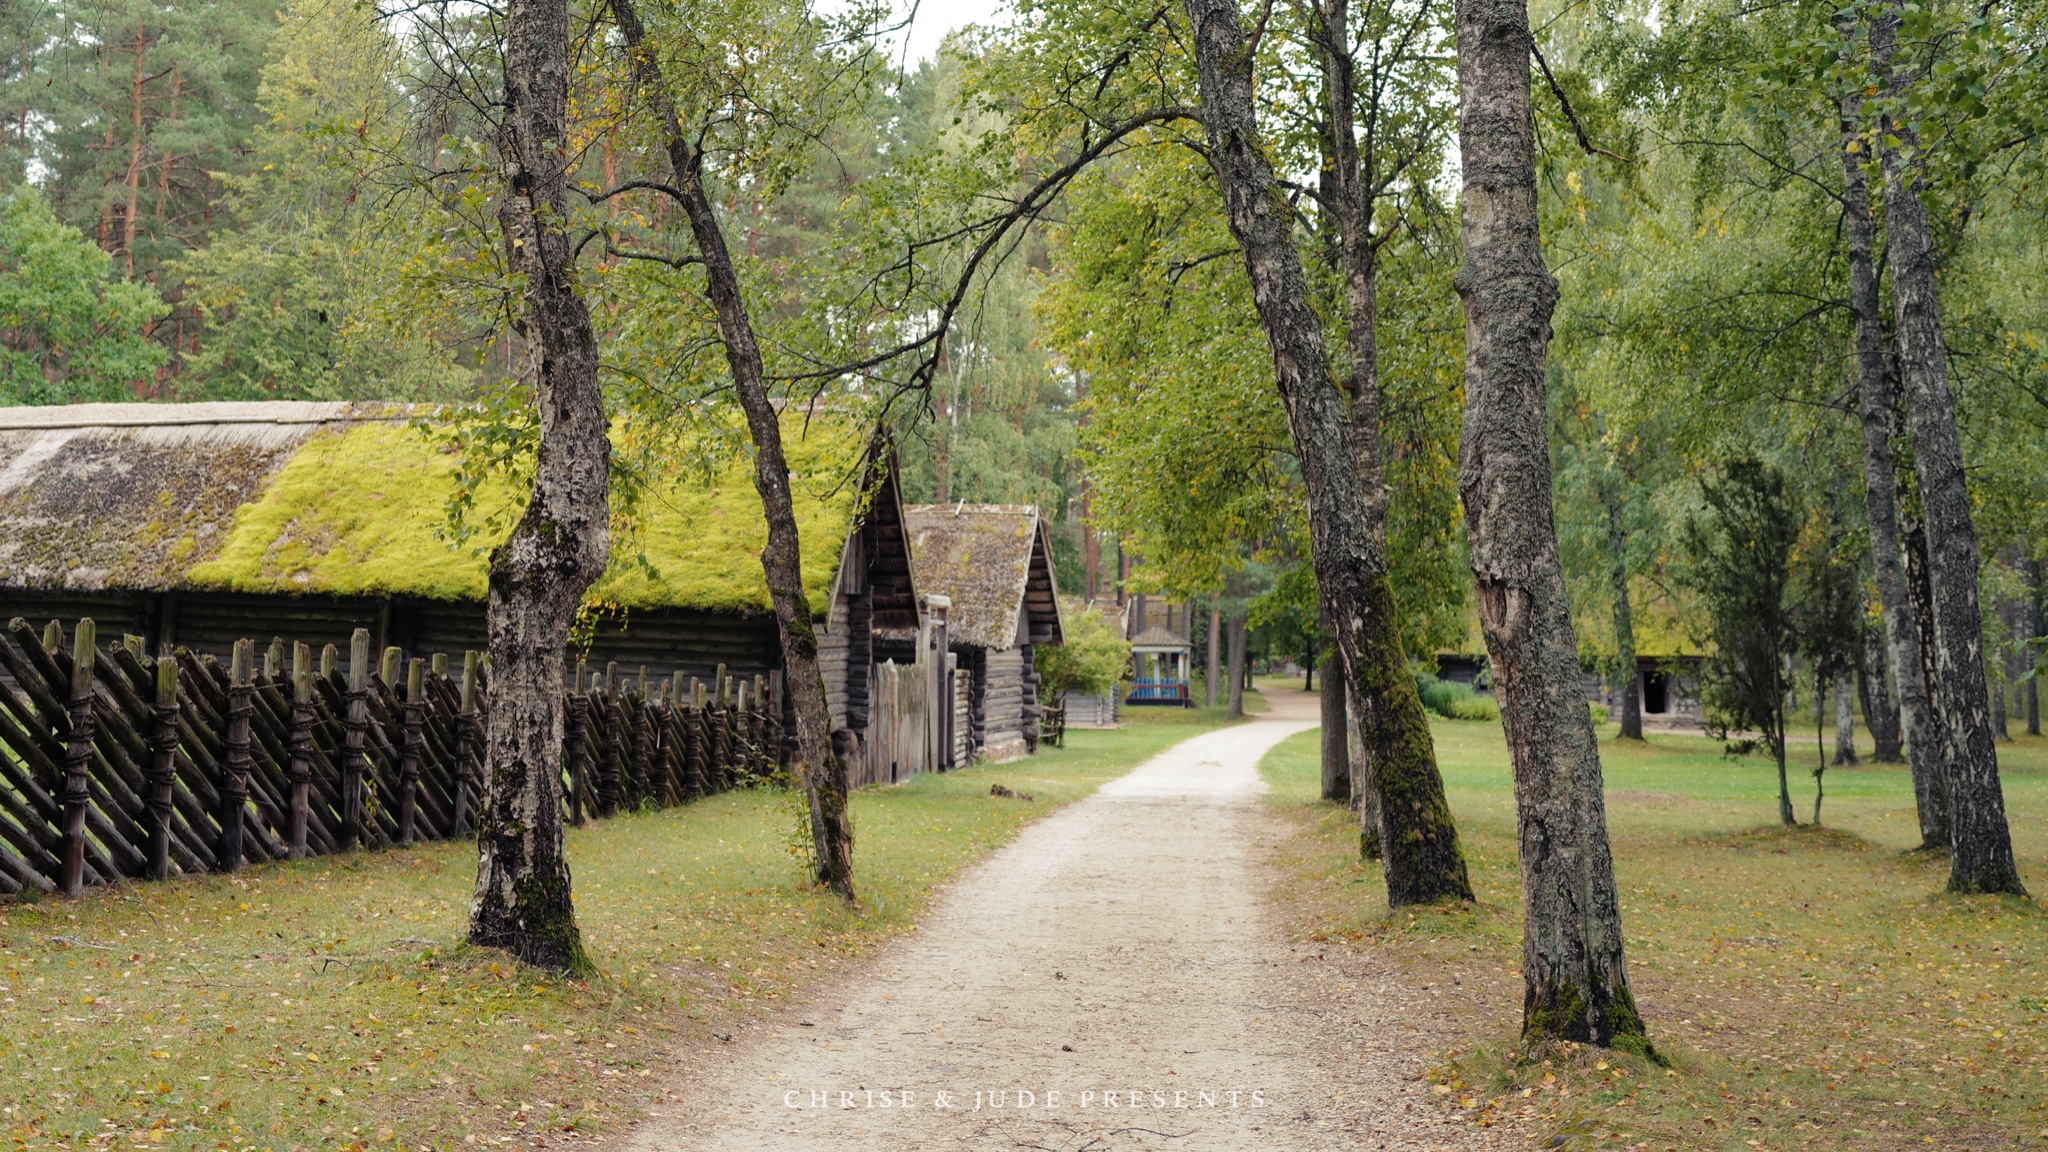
121	765
899	736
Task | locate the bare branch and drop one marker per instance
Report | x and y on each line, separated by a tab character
1565	102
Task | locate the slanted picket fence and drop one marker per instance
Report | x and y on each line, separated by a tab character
128	766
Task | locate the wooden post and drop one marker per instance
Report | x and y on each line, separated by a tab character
301	768
134	645
53	637
77	751
273	659
467	742
409	756
578	724
610	773
721	733
355	723
440	665
388	671
163	769
643	741
772	703
327	661
696	782
234	785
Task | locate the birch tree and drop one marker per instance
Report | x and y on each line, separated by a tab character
562	540
1575	982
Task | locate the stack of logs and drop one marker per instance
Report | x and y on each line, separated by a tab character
120	765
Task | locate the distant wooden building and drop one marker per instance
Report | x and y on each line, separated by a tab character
993	563
1161	650
195	524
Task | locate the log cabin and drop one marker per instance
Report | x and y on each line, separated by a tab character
192	525
993	564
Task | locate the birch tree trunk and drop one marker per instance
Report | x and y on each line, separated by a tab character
1879	713
1925	748
1845	719
821	770
1418	838
1980	843
1575	982
562	541
1213	675
1393	726
2031	615
1237	638
1336	748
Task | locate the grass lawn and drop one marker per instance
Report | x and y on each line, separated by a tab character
1814	988
332	1003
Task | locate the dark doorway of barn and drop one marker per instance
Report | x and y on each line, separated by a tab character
1656	692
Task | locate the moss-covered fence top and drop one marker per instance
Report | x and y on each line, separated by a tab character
351	500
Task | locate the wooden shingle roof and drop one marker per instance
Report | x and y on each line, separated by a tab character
994	561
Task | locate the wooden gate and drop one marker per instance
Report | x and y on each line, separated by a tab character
899	742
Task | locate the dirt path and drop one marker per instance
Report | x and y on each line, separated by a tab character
1116	978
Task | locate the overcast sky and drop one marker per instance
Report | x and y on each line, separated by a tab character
935	18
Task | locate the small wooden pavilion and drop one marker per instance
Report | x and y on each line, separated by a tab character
993	563
1159	633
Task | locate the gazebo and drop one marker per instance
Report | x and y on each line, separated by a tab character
1160	653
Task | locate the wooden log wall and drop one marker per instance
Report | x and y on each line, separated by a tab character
117	765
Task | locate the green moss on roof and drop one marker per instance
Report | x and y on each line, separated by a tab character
359	512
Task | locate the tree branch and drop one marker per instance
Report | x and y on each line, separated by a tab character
1565	102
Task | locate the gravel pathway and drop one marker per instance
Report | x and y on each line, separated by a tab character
1116	978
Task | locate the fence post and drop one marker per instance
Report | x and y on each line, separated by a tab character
355	724
409	756
610	774
301	768
772	705
644	763
696	777
163	768
721	732
578	725
466	743
234	787
77	752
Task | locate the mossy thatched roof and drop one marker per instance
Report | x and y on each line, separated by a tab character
352	501
995	563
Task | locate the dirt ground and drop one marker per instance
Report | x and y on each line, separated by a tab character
1116	978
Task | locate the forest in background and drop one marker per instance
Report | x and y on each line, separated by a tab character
1629	330
242	201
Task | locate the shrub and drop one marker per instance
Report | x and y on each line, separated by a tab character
1092	660
1455	701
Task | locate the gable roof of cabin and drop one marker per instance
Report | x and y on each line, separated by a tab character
994	561
351	500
